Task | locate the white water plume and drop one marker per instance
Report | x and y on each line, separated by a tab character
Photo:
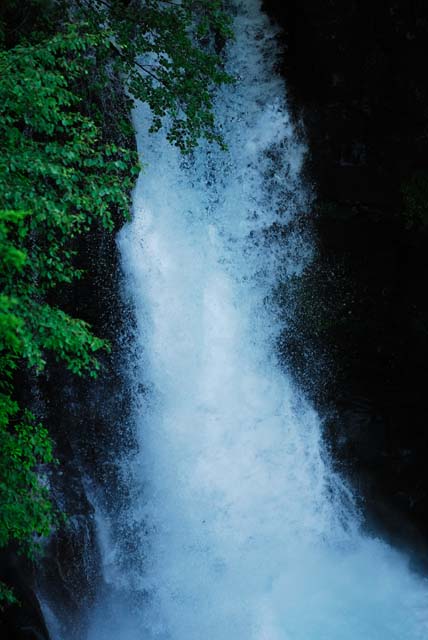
240	528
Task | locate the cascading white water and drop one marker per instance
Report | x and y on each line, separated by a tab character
240	529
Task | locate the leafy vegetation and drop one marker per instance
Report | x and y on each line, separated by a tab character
415	200
163	49
63	173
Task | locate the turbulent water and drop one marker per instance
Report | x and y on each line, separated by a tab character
237	528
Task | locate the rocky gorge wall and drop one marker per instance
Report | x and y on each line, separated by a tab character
88	422
87	419
356	75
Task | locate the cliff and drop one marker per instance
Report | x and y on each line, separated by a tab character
357	82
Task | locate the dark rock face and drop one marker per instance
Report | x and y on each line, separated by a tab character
356	75
25	622
88	421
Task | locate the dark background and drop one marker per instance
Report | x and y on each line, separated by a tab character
357	80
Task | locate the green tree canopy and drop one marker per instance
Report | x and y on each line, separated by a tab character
63	172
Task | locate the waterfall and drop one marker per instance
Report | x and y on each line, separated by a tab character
237	526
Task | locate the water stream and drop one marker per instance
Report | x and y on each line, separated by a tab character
239	528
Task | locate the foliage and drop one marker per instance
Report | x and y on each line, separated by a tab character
58	177
64	172
163	49
26	509
415	200
6	596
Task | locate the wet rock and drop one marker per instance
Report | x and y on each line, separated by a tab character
24	620
357	81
